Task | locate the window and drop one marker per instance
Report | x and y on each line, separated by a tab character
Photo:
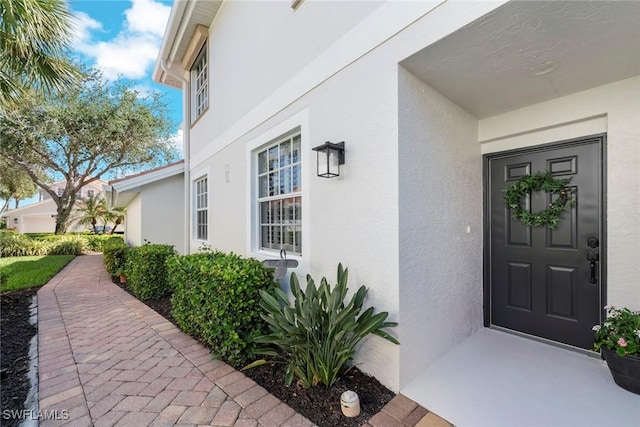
280	196
59	191
200	83
89	193
201	194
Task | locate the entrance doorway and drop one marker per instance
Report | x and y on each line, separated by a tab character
542	282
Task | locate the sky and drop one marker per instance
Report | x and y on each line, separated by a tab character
122	39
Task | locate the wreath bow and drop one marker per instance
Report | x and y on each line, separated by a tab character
539	182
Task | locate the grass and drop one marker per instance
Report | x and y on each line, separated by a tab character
30	271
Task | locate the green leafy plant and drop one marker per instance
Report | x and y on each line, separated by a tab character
216	300
68	245
95	242
114	254
15	244
538	182
620	332
146	270
317	334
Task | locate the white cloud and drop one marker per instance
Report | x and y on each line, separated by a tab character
132	51
176	141
144	90
147	16
127	55
83	26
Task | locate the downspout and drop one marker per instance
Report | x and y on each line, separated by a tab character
186	152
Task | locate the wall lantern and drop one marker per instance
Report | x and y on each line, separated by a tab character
330	157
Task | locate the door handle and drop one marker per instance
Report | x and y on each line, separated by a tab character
593	257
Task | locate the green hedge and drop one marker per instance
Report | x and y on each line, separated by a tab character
146	270
114	253
216	299
15	244
68	245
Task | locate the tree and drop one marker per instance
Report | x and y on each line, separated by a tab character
83	132
15	184
116	215
89	210
34	35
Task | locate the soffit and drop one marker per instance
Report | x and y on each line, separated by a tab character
185	17
485	66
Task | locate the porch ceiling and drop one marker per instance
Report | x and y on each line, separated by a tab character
486	67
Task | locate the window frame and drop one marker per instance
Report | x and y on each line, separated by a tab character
284	195
200	205
200	84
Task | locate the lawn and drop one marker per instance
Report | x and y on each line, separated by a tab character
29	271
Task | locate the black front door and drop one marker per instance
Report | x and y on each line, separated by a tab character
541	281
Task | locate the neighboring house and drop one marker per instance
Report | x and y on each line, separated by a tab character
40	217
441	105
155	205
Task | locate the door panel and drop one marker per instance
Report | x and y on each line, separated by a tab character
539	279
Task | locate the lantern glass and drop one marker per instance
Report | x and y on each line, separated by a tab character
330	157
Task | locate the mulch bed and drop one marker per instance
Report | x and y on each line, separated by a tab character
15	335
319	404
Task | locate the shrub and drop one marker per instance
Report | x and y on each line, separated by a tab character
95	242
114	251
14	244
318	333
216	300
146	270
67	245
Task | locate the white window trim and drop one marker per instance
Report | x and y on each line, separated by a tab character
287	138
203	53
298	123
198	175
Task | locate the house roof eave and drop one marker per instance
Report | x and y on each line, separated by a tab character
185	16
119	192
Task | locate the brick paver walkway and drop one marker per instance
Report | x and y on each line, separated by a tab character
107	359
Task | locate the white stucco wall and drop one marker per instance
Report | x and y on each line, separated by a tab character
350	93
615	109
260	60
162	214
133	222
351	219
440	251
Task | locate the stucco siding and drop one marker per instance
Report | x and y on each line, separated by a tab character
260	60
133	222
353	219
162	212
440	180
615	109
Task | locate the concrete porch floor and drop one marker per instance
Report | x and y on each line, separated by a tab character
107	359
497	379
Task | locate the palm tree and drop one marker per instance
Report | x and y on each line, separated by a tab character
89	210
34	35
116	215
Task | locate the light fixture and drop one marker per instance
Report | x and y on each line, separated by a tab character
330	157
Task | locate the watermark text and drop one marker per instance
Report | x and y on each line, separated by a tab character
26	414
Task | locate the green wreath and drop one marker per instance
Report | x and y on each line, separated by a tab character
539	182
